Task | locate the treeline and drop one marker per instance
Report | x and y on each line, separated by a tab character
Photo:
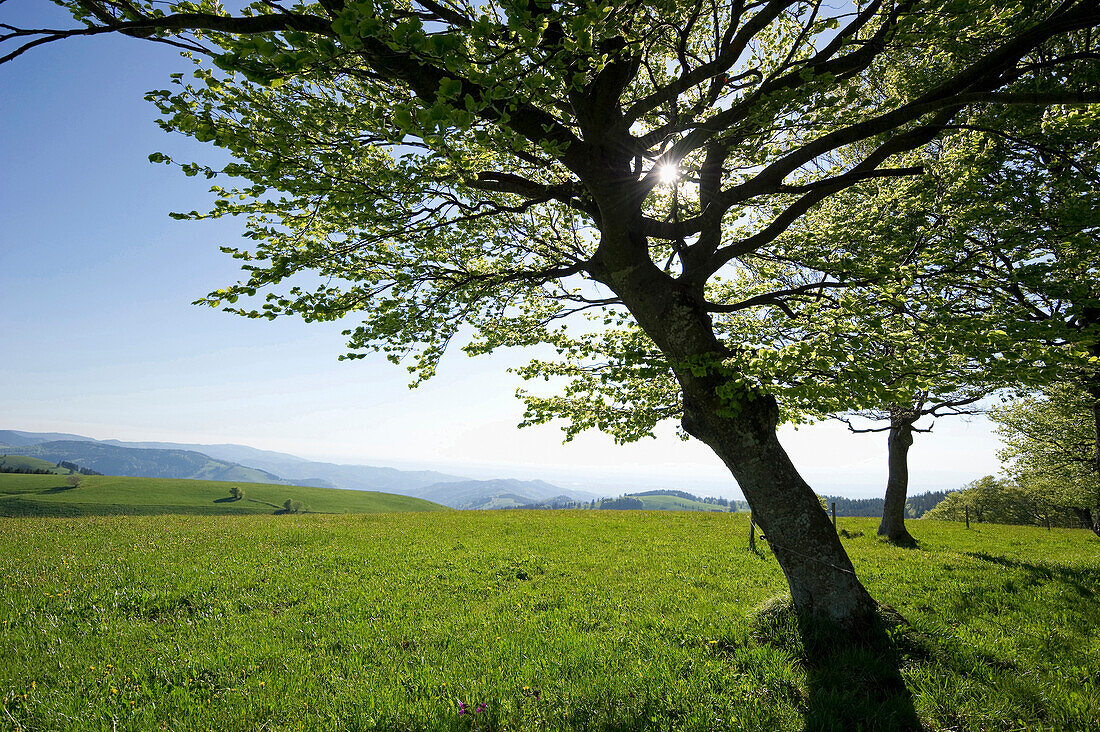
24	470
74	468
990	500
915	506
632	501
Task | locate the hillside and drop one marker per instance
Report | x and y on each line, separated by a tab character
499	493
271	467
49	495
22	463
654	500
113	460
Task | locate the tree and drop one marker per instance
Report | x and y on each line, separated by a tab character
236	493
505	165
998	501
1049	448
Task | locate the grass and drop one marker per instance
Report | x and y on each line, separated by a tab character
593	620
104	495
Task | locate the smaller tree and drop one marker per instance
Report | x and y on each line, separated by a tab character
237	493
73	480
978	499
1049	449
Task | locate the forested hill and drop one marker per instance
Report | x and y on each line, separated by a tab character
111	460
915	507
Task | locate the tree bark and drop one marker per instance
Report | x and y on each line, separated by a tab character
820	575
739	424
898	442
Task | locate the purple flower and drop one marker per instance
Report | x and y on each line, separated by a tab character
462	708
482	707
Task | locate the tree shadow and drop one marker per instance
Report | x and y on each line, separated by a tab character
1077	578
56	489
227	499
854	680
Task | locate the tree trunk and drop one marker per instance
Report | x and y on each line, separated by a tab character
821	577
897	481
739	424
1084	515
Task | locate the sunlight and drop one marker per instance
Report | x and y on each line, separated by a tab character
668	173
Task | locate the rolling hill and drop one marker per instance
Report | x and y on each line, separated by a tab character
113	460
51	495
21	463
500	493
271	467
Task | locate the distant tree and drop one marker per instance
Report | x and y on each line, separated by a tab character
1050	447
917	506
998	501
73	480
622	503
236	493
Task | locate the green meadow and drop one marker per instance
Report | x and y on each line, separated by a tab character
590	620
105	495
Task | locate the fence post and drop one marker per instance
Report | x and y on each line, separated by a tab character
966	514
752	534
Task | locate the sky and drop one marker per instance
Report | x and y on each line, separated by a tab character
100	338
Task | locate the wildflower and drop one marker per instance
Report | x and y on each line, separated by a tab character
482	707
462	708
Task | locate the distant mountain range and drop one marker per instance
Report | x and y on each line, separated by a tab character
241	463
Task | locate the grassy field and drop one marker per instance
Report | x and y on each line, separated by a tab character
593	620
105	495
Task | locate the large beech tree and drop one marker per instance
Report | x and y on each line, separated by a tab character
499	165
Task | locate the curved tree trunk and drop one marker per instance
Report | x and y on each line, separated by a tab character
739	424
820	575
897	482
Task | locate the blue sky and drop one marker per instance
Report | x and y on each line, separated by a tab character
100	338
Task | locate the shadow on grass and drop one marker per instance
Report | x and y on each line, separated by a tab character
56	489
854	682
1079	579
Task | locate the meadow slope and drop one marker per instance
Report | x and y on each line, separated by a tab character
594	620
105	495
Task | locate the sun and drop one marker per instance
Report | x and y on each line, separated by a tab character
668	173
